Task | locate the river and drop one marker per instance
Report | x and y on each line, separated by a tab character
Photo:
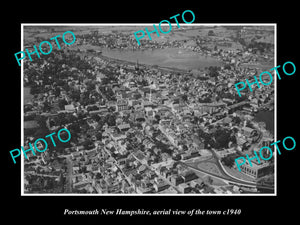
184	59
267	117
170	57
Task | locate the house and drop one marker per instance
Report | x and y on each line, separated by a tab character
163	171
249	132
176	179
122	105
197	183
70	108
124	127
160	185
184	188
189	175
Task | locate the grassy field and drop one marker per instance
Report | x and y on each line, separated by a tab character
215	181
27	96
209	167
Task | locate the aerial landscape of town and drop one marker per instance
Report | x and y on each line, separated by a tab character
163	117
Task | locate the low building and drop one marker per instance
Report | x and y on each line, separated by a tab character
176	179
69	108
124	127
189	176
160	185
247	131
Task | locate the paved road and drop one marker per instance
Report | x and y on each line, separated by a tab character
69	175
40	174
225	175
157	173
227	178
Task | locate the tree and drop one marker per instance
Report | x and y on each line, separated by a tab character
61	119
213	71
62	103
46	107
99	136
228	161
236	120
111	120
92	108
75	95
227	67
96	117
222	138
184	97
90	86
211	33
41	120
41	132
70	118
157	117
111	109
250	125
88	144
60	83
35	90
56	92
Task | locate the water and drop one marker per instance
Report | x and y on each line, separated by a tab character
170	57
267	117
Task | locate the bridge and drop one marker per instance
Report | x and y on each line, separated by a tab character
238	104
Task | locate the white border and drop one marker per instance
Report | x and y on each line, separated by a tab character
145	24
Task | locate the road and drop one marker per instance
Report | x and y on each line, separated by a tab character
227	178
69	175
40	174
157	173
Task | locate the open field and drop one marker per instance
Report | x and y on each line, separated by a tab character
209	167
27	96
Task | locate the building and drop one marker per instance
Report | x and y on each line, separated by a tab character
184	188
122	105
189	175
81	184
249	132
210	107
257	170
197	183
69	108
176	179
124	127
160	185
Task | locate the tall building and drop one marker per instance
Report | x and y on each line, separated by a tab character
257	170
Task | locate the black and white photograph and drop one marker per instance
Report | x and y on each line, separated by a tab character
129	115
163	117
